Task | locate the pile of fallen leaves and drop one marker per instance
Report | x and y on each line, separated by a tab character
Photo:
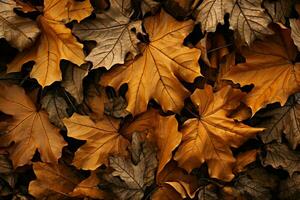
149	99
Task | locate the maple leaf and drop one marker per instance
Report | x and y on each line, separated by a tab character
56	106
72	76
18	31
295	26
244	159
156	73
89	188
54	181
67	10
149	6
161	131
129	179
102	140
247	17
283	120
279	156
270	65
210	137
112	30
30	129
55	43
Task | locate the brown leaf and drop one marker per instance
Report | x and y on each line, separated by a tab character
133	178
67	10
102	140
270	65
18	31
72	76
57	39
89	188
56	106
279	156
210	137
278	10
30	129
55	181
112	31
156	73
248	18
295	26
289	188
244	159
282	121
149	6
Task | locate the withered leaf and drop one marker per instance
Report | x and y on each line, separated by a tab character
55	43
270	65
30	129
54	181
278	10
156	73
67	10
72	76
209	138
161	131
20	32
244	159
283	120
280	156
247	17
149	6
290	188
295	26
112	30
256	184
130	180
56	106
102	140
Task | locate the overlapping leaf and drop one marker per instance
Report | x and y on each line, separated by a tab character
156	73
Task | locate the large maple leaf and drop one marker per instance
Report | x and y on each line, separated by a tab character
102	140
112	31
247	17
30	129
156	73
55	43
18	31
210	137
270	65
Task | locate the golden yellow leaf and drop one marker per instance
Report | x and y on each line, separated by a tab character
210	137
67	10
156	73
244	159
270	65
102	140
55	43
30	129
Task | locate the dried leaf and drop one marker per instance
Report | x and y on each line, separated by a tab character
112	30
283	120
280	156
156	73
67	10
210	137
247	17
102	140
55	181
72	76
30	129
270	65
20	32
295	26
289	188
244	159
55	43
134	177
279	9
56	106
